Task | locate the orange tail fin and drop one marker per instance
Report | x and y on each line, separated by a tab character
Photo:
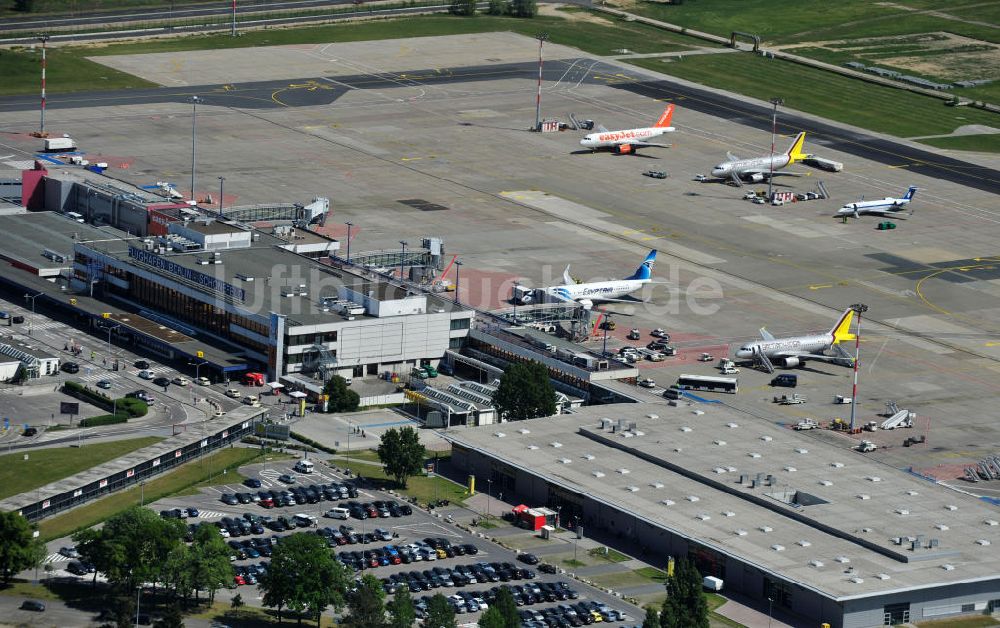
664	120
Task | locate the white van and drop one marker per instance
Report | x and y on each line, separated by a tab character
338	513
304	466
304	521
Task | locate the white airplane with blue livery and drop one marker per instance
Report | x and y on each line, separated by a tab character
586	294
884	207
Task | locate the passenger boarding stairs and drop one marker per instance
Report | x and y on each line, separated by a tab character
760	359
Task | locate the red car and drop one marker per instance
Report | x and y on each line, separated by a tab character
239	580
267	503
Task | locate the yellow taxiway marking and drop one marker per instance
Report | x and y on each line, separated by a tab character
992	344
417	158
821	286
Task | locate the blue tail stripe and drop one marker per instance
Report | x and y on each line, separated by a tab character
645	271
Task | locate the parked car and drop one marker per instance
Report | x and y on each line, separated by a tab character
202	381
232	393
180	381
146	374
287	479
30	431
251	483
33	605
527	558
104	383
70	367
655	174
141	364
161	381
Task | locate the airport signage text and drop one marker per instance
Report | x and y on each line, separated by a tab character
212	283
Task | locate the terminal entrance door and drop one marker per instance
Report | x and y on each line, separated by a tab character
896	614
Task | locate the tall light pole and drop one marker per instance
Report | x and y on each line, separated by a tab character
194	134
222	188
859	309
402	259
109	329
349	225
197	366
774	126
489	495
541	37
458	266
234	19
41	130
32	297
770	608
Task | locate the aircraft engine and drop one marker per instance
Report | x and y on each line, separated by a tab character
523	295
586	303
624	149
790	363
756	177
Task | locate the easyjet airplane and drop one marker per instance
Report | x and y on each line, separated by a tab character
630	140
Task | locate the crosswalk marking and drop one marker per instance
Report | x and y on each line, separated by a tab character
55	558
211	514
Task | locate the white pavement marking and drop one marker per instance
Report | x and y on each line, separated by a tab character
55	558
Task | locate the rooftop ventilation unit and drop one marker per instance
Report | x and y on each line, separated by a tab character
804	543
720	443
991	522
801	450
565	460
667	502
766	529
902	511
598	474
883	576
556	445
740	532
983	542
948	567
864	496
754	454
685	428
623	471
791	469
606	423
656	484
942	527
693	498
532	447
588	456
703	516
499	434
719	470
816	563
652	416
912	493
728	513
842	559
766	439
697	412
873	478
778	548
632	489
856	580
837	465
524	431
825	483
951	507
732	426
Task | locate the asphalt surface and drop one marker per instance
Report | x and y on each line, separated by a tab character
310	92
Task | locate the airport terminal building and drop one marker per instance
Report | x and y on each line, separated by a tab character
232	298
823	531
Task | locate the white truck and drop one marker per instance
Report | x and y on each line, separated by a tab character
807	424
59	144
789	400
711	583
866	446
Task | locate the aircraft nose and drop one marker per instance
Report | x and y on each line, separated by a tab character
718	171
742	353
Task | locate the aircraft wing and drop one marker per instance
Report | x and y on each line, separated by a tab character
766	335
767	173
649	144
601	128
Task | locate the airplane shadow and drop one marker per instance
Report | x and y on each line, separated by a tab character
491	126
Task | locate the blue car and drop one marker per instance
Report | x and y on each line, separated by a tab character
192	512
251	483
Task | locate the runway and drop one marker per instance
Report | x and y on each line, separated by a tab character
319	91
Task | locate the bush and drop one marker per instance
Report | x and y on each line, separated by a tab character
133	407
308	441
104	419
497	7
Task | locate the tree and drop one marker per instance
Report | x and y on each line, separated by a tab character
497	7
525	392
685	606
171	618
401	613
462	7
27	6
507	608
652	618
210	566
342	398
237	602
178	571
19	549
440	614
304	577
365	608
492	619
524	8
401	453
132	547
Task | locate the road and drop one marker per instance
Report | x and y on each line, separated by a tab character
312	91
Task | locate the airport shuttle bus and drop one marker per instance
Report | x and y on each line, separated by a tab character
711	384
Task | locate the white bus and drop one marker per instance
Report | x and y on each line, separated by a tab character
706	382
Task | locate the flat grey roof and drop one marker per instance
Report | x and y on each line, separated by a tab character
687	480
27	347
274	268
210	226
25	236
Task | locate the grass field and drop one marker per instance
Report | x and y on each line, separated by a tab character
69	71
960	622
171	483
989	143
611	555
43	466
422	488
807	20
806	89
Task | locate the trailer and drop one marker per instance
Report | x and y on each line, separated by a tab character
823	164
59	144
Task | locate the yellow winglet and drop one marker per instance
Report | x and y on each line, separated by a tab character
842	330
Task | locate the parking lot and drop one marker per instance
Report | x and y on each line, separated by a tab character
427	552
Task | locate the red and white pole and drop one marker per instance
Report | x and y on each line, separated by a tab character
858	309
538	98
41	131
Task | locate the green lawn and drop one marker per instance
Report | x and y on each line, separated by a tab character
960	622
813	20
611	556
620	579
866	105
70	71
989	143
205	469
651	573
43	466
423	488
